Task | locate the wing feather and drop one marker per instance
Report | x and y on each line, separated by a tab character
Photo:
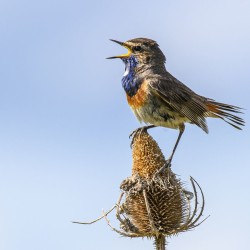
180	98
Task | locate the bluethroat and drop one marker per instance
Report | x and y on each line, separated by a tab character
159	99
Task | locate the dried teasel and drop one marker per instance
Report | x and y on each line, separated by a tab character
153	202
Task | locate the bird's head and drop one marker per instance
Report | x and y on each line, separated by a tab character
144	50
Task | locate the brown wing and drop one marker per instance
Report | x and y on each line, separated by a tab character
180	98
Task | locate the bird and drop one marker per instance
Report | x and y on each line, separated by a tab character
157	98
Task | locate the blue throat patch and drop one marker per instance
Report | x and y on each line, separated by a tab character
129	82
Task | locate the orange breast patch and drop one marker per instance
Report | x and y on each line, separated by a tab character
139	98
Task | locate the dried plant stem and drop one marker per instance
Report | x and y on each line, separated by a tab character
151	220
93	221
160	242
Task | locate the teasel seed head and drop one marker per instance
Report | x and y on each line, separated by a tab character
156	203
146	154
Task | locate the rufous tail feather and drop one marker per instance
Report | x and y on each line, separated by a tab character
225	112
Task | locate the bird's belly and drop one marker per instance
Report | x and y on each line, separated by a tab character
152	110
159	117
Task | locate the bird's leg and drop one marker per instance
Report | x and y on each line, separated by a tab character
139	130
169	160
181	128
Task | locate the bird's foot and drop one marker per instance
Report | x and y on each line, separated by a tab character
138	132
164	167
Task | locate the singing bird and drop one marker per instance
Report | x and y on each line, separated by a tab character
159	99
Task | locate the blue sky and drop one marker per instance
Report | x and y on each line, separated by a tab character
64	125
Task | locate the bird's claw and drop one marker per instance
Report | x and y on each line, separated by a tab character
134	133
138	130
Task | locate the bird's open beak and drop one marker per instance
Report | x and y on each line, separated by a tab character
123	55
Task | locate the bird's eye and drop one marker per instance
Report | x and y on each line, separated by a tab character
138	48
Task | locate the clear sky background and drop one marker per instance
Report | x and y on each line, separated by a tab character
64	119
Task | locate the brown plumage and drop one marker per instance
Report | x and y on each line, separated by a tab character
195	108
158	98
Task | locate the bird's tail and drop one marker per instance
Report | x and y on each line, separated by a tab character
224	111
